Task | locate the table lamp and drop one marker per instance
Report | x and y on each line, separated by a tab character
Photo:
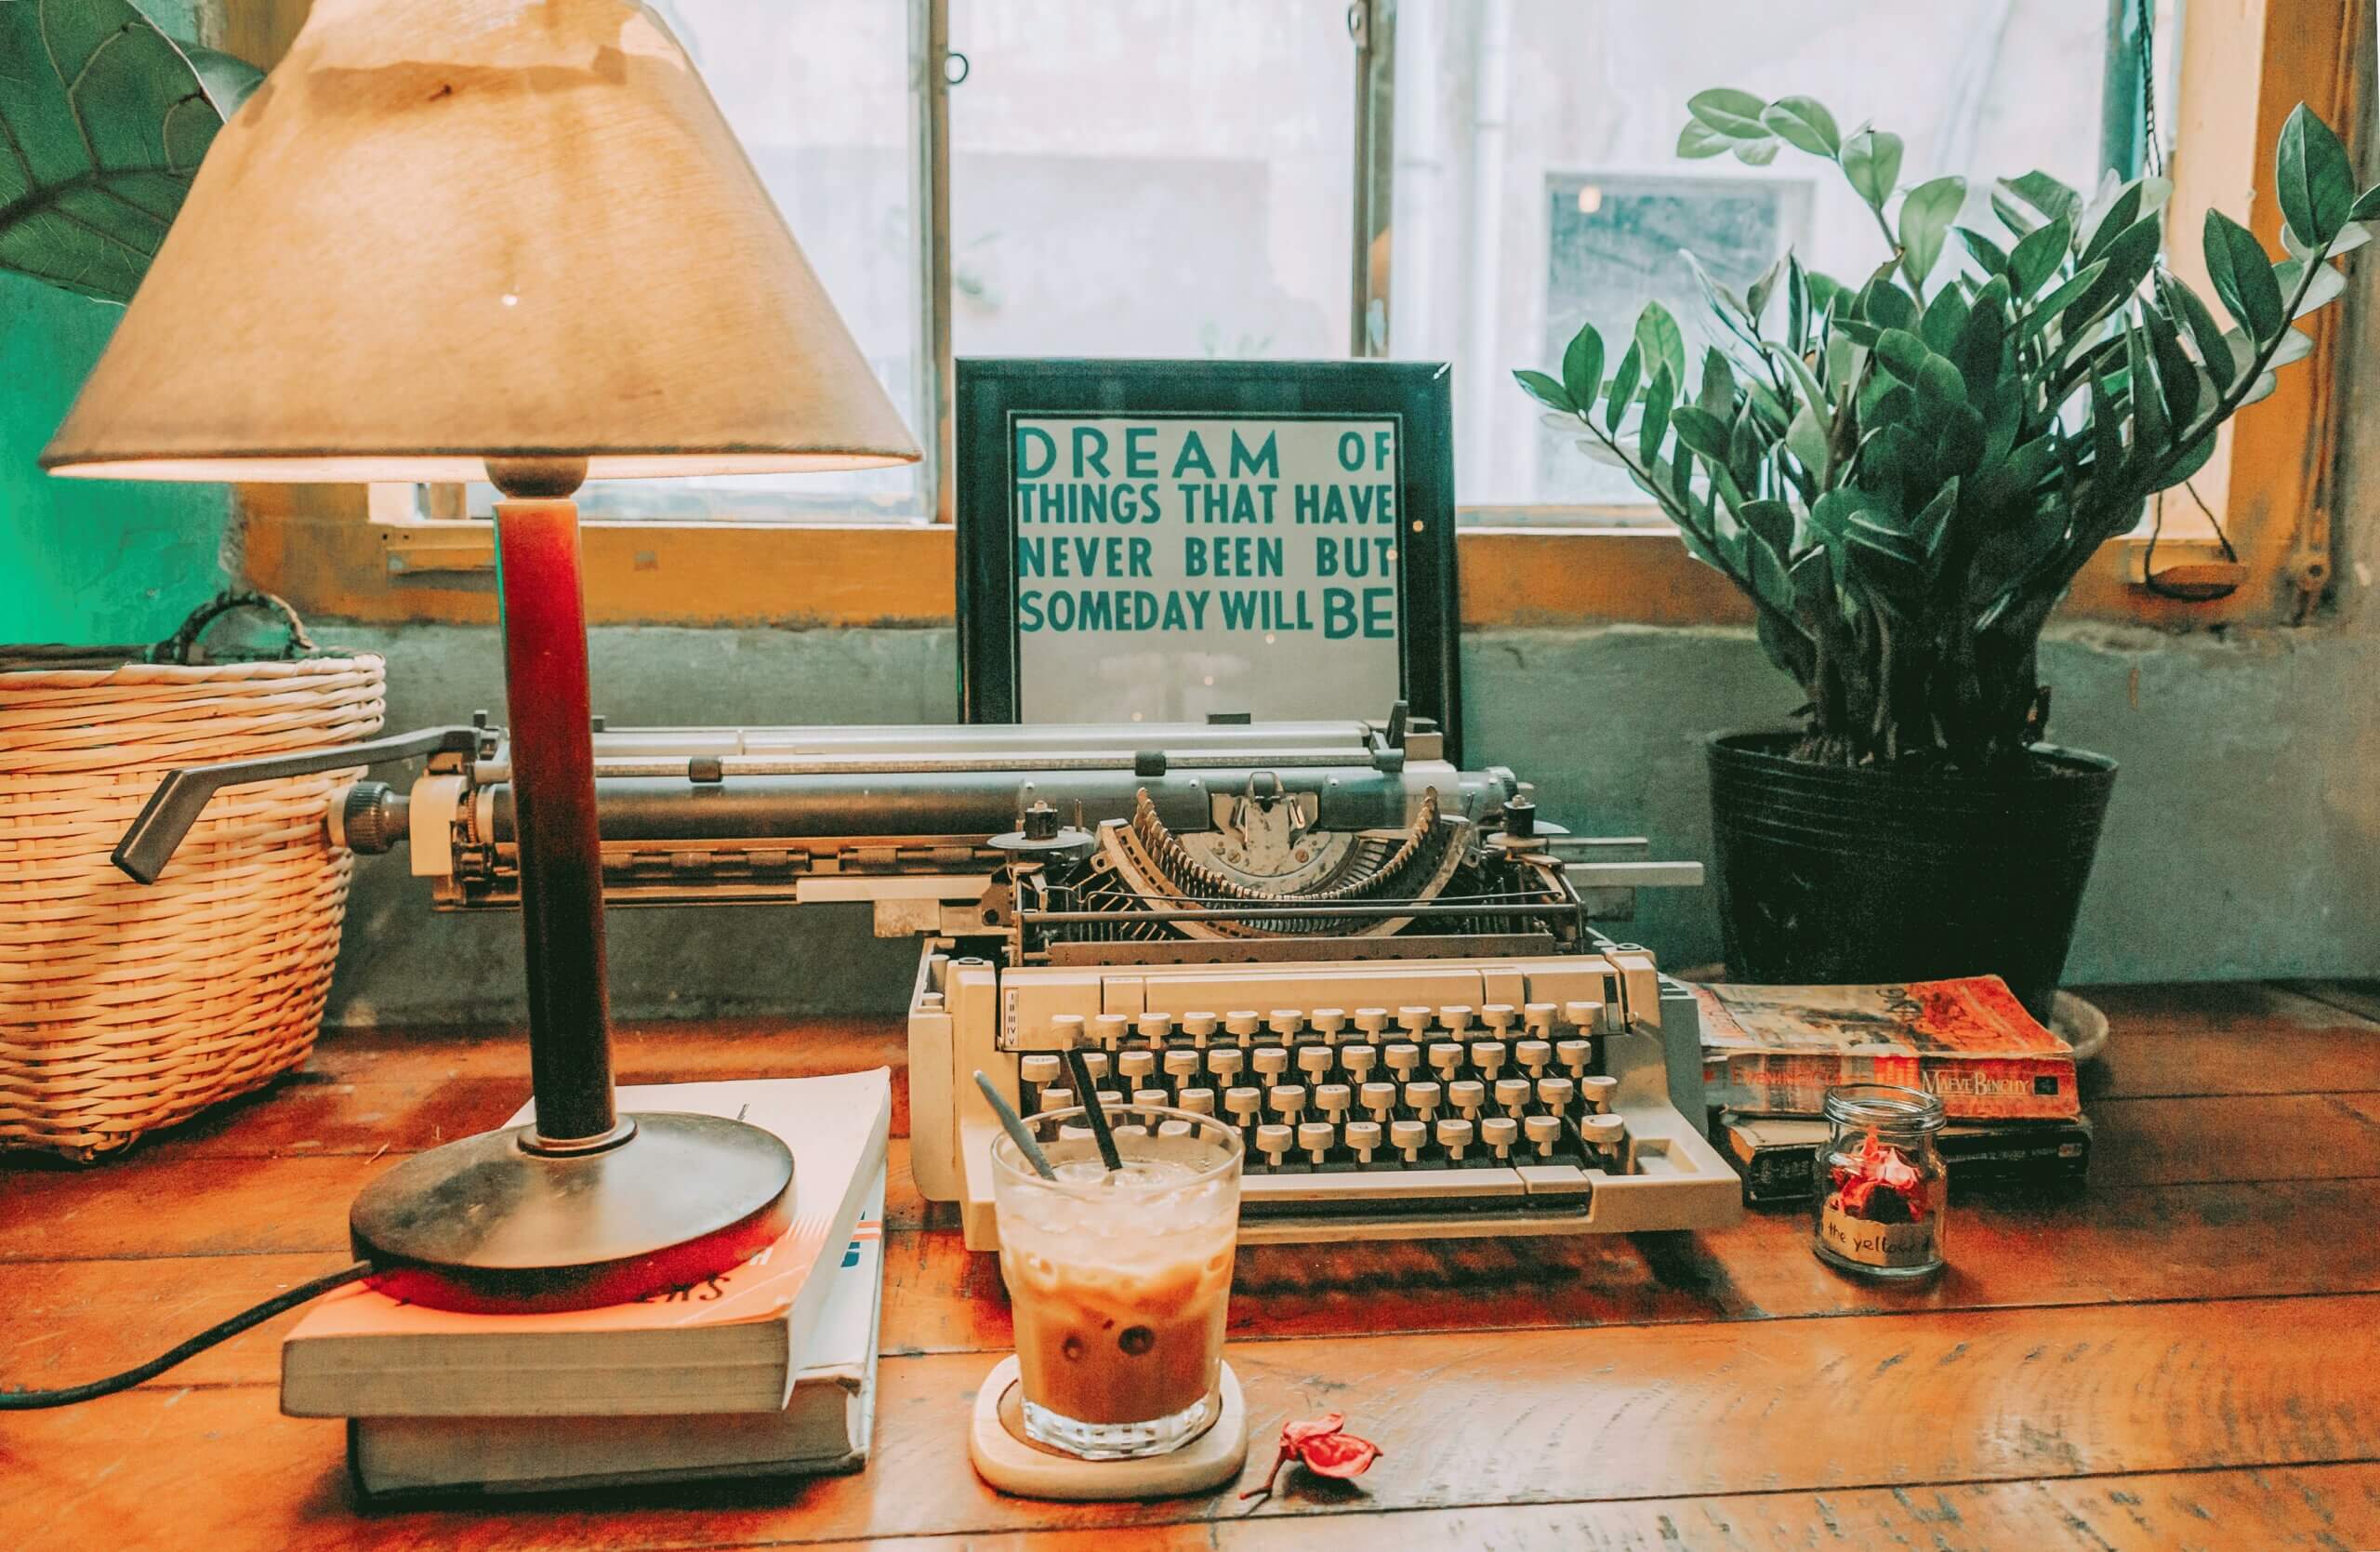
509	236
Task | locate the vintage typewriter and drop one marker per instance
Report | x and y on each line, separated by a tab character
1381	968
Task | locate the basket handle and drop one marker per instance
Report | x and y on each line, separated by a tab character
177	647
148	844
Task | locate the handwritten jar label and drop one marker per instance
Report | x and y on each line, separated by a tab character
1881	1244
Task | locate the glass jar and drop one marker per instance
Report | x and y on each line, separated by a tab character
1882	1188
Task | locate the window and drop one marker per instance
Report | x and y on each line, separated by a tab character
1151	178
1437	179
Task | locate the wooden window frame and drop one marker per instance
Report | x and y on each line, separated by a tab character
2244	65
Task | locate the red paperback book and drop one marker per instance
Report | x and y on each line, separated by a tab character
1776	1050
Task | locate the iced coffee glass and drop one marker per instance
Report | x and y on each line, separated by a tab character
1119	1282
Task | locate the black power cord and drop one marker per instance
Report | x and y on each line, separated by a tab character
35	1401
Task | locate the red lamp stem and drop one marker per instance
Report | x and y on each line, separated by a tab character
553	794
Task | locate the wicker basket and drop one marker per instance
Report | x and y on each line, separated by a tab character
126	1007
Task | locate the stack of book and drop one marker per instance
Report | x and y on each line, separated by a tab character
2006	1083
766	1369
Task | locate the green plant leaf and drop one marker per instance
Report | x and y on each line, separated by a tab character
2174	368
1699	430
2199	319
2296	346
2317	182
1699	140
2054	199
1718	395
1978	349
1990	254
1871	161
1959	446
2123	263
2367	205
1886	305
1901	354
1583	368
2242	276
1925	217
1658	395
1733	113
1804	123
2049	308
2327	285
1721	301
104	121
1545	390
1931	527
1660	342
2144	392
2037	256
1945	315
2105	220
1807	440
1772	521
1624	387
1754	153
1757	297
1939	381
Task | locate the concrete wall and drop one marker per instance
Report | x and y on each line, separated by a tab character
2242	840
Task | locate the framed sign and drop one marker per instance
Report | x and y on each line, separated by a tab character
1182	540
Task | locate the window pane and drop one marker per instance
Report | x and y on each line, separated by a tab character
1537	184
1152	177
819	93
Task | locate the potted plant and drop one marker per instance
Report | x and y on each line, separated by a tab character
1903	472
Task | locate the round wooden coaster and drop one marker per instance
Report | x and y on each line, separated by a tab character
1012	1463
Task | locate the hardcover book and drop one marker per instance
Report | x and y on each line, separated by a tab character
728	1344
1777	1155
822	1428
1776	1050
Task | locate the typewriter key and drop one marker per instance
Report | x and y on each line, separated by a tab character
1197	1101
1372	1021
1498	1016
1445	1059
1544	1132
1151	1097
1586	1014
1314	1060
1533	1056
1539	1019
1242	1023
1057	1099
1408	1137
1363	1139
1332	1099
1273	1141
1598	1091
1286	1102
1498	1134
1242	1103
1468	1095
1135	1066
1181	1066
1422	1098
1454	1135
1199	1027
1111	1028
1487	1056
1155	1028
1269	1061
1456	1017
1317	1137
1357	1060
1574	1054
1328	1022
1286	1022
1557	1093
1403	1057
1512	1095
1379	1098
1413	1020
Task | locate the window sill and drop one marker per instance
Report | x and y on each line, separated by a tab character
327	559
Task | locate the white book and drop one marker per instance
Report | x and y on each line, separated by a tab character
825	1427
729	1345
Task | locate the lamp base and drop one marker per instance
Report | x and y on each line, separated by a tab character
487	1224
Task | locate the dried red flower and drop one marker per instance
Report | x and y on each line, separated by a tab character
1880	1186
1319	1444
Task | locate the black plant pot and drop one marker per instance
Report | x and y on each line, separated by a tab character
1829	874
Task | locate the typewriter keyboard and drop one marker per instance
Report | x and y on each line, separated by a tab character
1433	1106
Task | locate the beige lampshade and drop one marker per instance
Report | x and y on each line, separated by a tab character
443	231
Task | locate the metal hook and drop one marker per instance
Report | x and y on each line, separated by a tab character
965	68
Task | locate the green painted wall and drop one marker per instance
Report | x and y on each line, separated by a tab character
83	560
86	561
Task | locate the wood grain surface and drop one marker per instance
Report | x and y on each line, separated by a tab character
2185	1354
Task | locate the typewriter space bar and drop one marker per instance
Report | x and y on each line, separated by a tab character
1512	1188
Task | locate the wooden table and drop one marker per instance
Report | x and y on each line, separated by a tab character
2187	1355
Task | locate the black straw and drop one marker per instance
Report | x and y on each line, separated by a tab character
1091	1111
1020	1133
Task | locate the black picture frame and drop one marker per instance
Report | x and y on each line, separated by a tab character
993	392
